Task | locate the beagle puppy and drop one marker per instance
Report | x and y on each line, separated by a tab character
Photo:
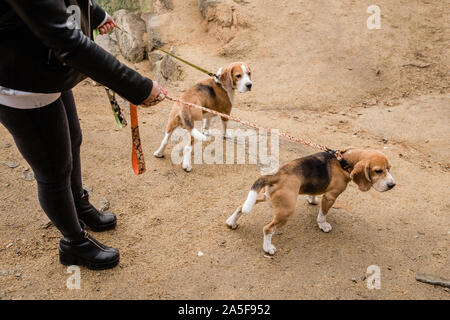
314	175
213	93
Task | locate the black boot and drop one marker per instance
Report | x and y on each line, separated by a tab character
87	252
94	219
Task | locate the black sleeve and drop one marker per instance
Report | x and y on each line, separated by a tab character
97	15
47	19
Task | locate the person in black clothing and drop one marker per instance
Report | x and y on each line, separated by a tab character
42	57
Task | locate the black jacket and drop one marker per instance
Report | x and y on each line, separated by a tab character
40	53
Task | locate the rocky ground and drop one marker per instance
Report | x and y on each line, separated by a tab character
318	74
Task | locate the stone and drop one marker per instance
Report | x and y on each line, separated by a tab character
155	56
131	39
434	280
106	42
11	164
222	18
152	28
27	175
162	6
104	204
167	69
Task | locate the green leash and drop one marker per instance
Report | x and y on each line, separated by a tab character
188	63
176	57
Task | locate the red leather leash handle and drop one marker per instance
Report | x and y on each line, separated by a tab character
137	155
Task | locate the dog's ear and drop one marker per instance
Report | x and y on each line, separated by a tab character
226	77
360	175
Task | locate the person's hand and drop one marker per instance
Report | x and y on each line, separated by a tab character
157	95
108	26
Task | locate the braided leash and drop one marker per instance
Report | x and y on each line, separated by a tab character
138	159
336	153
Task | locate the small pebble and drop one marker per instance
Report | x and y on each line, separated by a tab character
104	204
200	254
27	175
11	164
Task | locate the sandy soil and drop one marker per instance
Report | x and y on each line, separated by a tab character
318	74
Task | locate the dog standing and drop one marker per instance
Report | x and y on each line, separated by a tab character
317	174
213	93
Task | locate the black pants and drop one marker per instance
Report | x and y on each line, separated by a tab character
49	138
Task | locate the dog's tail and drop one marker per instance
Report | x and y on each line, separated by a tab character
256	188
185	116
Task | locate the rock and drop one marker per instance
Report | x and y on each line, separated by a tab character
27	175
11	164
46	225
222	18
430	279
200	254
162	6
167	69
239	46
104	204
207	8
152	28
131	40
354	280
155	56
107	43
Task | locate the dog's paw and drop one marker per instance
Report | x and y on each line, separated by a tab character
186	165
313	200
231	223
158	155
324	226
270	249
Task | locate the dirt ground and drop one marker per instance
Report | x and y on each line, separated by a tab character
318	73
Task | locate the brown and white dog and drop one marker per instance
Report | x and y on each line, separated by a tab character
212	93
313	175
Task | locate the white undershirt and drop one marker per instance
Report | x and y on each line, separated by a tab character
29	100
26	100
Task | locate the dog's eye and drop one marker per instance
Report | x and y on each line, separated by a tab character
238	76
249	74
379	171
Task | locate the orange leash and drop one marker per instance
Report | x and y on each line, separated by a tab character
137	155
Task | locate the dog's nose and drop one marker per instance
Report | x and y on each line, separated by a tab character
391	185
249	86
